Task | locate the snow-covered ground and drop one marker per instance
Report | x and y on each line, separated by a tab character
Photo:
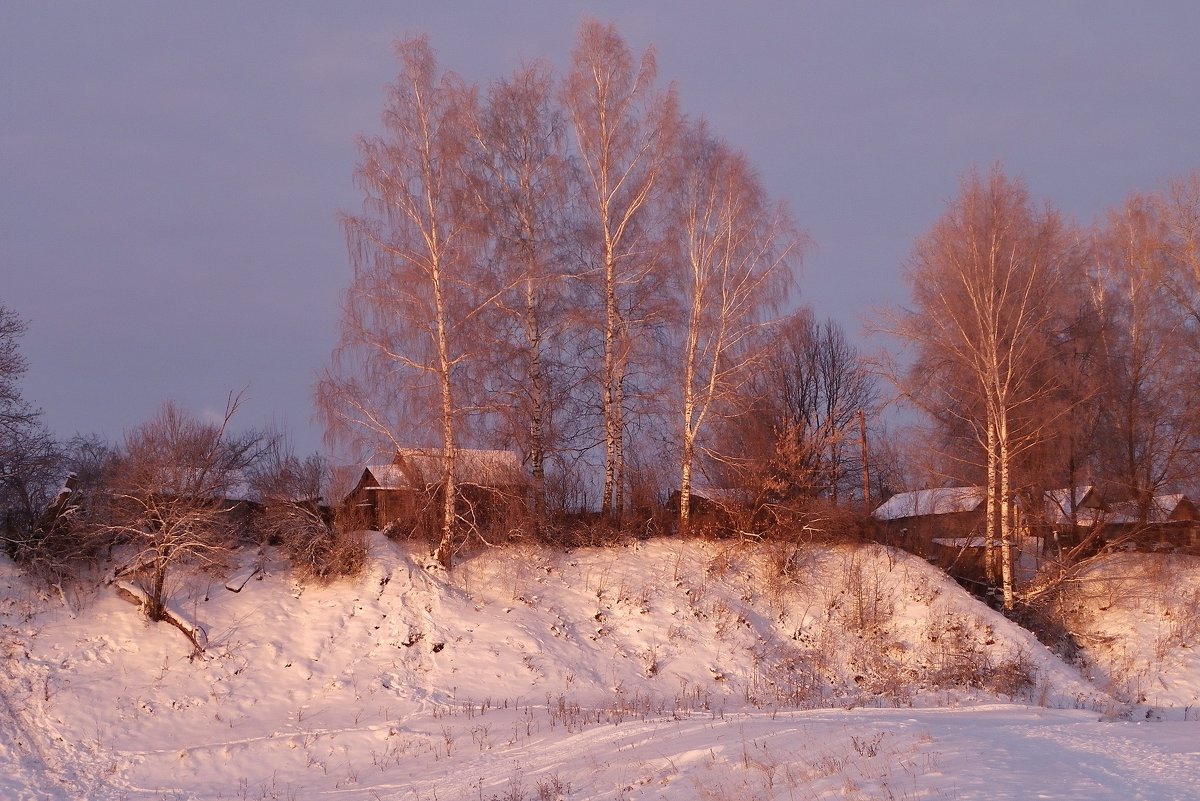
658	670
1136	618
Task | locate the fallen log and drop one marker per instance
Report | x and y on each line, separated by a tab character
195	633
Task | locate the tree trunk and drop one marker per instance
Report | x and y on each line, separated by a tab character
156	609
445	550
537	437
1006	532
990	544
611	425
619	451
685	486
866	465
689	399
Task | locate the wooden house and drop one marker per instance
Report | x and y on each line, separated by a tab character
945	525
714	510
1168	521
1066	517
406	491
917	518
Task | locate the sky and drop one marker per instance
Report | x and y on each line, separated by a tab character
171	174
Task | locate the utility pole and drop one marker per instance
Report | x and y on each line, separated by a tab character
862	438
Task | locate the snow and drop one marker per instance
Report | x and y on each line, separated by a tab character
1137	618
238	580
662	669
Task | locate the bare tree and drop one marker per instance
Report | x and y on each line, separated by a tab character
30	459
797	436
1148	407
734	268
168	495
296	516
408	342
522	180
1179	208
984	281
623	129
15	413
823	393
31	471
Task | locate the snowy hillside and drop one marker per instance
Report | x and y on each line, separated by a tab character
1136	619
662	669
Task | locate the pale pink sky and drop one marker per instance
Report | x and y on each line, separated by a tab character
171	173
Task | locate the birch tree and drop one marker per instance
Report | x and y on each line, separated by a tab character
623	129
522	182
983	282
734	265
408	336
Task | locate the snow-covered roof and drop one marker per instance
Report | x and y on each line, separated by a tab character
1162	507
1165	505
941	501
387	476
420	467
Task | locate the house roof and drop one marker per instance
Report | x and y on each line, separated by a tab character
385	476
1162	509
1059	503
722	496
941	501
420	467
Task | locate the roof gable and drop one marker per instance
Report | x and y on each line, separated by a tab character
383	476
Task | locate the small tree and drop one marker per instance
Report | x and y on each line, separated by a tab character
294	516
168	494
798	436
817	393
